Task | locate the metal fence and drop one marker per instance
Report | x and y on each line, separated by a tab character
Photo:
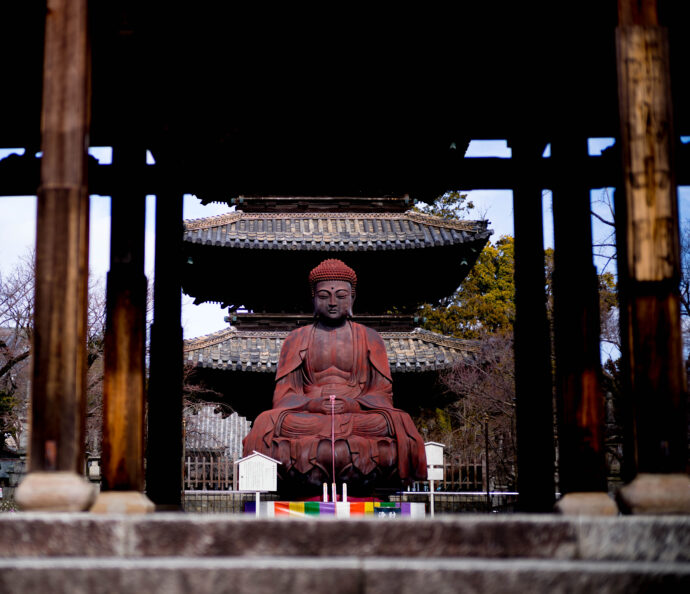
220	502
208	473
458	502
208	483
464	474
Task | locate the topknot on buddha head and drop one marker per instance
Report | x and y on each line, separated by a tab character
332	269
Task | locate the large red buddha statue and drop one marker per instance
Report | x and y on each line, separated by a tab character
333	385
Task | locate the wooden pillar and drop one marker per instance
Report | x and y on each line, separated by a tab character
122	462
59	347
533	380
164	444
124	374
579	396
649	268
124	371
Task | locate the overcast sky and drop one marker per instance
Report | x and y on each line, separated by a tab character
18	225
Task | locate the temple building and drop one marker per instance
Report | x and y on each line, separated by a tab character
373	104
266	247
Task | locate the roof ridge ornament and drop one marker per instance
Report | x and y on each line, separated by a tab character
442	340
460	224
214	221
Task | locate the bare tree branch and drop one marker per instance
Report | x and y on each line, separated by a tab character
608	222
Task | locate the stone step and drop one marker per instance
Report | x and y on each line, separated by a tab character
622	538
337	575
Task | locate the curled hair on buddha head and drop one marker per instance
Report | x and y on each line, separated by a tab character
332	269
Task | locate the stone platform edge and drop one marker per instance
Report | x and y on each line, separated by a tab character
346	575
622	538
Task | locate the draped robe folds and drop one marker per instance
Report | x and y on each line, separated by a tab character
291	434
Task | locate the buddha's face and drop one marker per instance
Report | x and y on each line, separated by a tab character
332	300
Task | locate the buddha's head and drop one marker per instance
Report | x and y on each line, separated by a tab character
333	286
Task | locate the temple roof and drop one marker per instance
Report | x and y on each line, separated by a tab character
242	350
317	203
274	321
402	259
332	231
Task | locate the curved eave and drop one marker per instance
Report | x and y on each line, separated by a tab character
417	351
414	257
332	231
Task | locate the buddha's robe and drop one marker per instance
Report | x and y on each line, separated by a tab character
350	363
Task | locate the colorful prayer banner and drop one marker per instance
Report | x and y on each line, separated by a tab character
270	509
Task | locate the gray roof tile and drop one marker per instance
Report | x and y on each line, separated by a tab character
251	350
332	230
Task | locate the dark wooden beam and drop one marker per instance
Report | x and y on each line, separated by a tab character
124	374
124	371
164	438
533	379
638	12
59	349
19	177
648	248
579	397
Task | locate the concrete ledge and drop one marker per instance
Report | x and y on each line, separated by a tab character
661	538
622	538
341	575
62	535
360	537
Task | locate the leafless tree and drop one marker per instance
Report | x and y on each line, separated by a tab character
95	340
483	391
16	312
196	396
685	279
16	333
16	329
604	243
